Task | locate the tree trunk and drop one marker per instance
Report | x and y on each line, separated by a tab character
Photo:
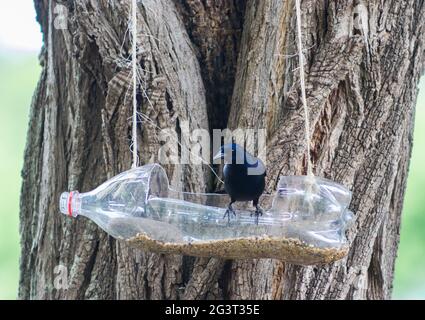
217	64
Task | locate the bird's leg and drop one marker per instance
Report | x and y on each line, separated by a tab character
258	211
229	210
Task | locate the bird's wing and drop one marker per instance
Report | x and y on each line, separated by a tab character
254	162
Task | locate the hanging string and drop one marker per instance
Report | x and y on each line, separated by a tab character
135	148
137	114
303	94
50	72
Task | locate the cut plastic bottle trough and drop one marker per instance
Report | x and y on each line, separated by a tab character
304	222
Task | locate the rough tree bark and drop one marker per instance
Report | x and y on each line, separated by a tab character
217	64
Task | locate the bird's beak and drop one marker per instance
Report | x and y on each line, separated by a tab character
219	155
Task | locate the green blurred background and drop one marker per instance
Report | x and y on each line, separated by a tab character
19	72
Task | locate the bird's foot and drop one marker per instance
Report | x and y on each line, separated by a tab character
229	211
258	212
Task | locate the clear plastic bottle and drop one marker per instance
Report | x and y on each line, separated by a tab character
140	203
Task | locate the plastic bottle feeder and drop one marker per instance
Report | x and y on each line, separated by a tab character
304	222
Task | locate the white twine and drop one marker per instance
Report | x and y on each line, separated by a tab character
136	114
303	91
135	148
50	71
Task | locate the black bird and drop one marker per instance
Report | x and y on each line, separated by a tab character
244	177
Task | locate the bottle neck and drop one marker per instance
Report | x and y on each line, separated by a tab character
70	203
